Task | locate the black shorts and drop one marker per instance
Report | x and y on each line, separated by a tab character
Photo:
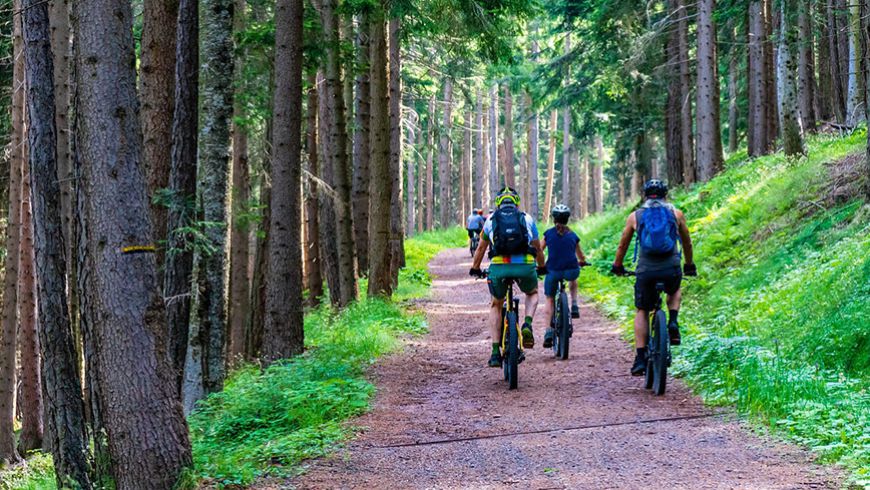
471	232
645	286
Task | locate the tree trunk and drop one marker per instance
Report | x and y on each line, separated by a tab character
156	81
62	385
148	436
312	257
597	174
327	195
566	155
824	95
533	206
430	168
380	283
361	148
397	230
508	163
283	334
411	201
478	193
855	103
759	143
421	177
733	76
792	131
254	336
182	185
444	155
494	181
835	45
59	19
574	178
583	210
9	320
31	379
240	295
865	32
464	181
551	165
486	190
709	135
806	67
686	120
771	81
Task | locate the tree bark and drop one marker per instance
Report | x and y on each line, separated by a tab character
421	178
855	103
551	164
397	229
806	67
733	114
240	295
686	120
709	135
379	190
759	139
430	168
337	153
494	181
824	95
327	196
597	175
566	155
486	190
584	188
31	379
411	201
478	193
312	257
283	334
148	436
177	276
9	320
444	155
835	45
574	178
865	32
508	163
792	130
156	82
62	386
464	181
361	146
533	206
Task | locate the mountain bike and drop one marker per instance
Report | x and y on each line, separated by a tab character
475	242
563	329
658	345
511	337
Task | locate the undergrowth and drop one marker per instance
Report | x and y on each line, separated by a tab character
777	321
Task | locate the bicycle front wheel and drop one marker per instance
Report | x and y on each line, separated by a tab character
661	343
564	334
512	354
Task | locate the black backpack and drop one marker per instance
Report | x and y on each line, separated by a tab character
509	233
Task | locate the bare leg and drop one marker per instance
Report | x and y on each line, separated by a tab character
675	299
641	328
573	287
531	304
551	308
495	320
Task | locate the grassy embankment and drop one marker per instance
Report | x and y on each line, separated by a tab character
267	422
778	323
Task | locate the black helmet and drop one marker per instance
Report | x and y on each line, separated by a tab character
560	214
655	189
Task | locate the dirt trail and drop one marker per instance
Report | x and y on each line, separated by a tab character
572	424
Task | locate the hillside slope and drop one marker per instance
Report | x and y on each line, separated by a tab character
778	322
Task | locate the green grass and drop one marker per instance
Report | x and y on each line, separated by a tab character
777	322
267	422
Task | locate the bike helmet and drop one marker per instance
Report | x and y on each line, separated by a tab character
507	196
655	189
560	214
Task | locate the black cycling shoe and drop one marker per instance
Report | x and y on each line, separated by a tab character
528	336
674	333
548	338
639	366
575	311
494	360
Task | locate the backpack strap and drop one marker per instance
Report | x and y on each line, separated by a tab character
637	233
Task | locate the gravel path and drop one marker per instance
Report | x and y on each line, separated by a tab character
442	419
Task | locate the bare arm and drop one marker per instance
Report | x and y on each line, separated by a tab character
683	229
539	256
479	253
625	241
581	257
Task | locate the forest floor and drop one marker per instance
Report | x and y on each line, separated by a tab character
442	419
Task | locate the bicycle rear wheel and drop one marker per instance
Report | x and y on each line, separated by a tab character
512	354
564	328
661	341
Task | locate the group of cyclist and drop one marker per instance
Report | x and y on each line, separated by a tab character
516	251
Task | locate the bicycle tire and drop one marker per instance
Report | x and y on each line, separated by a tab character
564	328
512	359
660	361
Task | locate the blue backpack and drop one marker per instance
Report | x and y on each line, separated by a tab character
656	231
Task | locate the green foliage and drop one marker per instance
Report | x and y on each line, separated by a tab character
37	474
266	421
777	321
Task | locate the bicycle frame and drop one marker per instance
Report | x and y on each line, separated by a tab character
510	305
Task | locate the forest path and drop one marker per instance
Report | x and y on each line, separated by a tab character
582	420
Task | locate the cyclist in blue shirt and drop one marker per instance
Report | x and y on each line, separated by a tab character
474	224
564	259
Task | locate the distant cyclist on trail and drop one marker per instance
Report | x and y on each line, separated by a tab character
661	228
474	223
515	251
564	259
